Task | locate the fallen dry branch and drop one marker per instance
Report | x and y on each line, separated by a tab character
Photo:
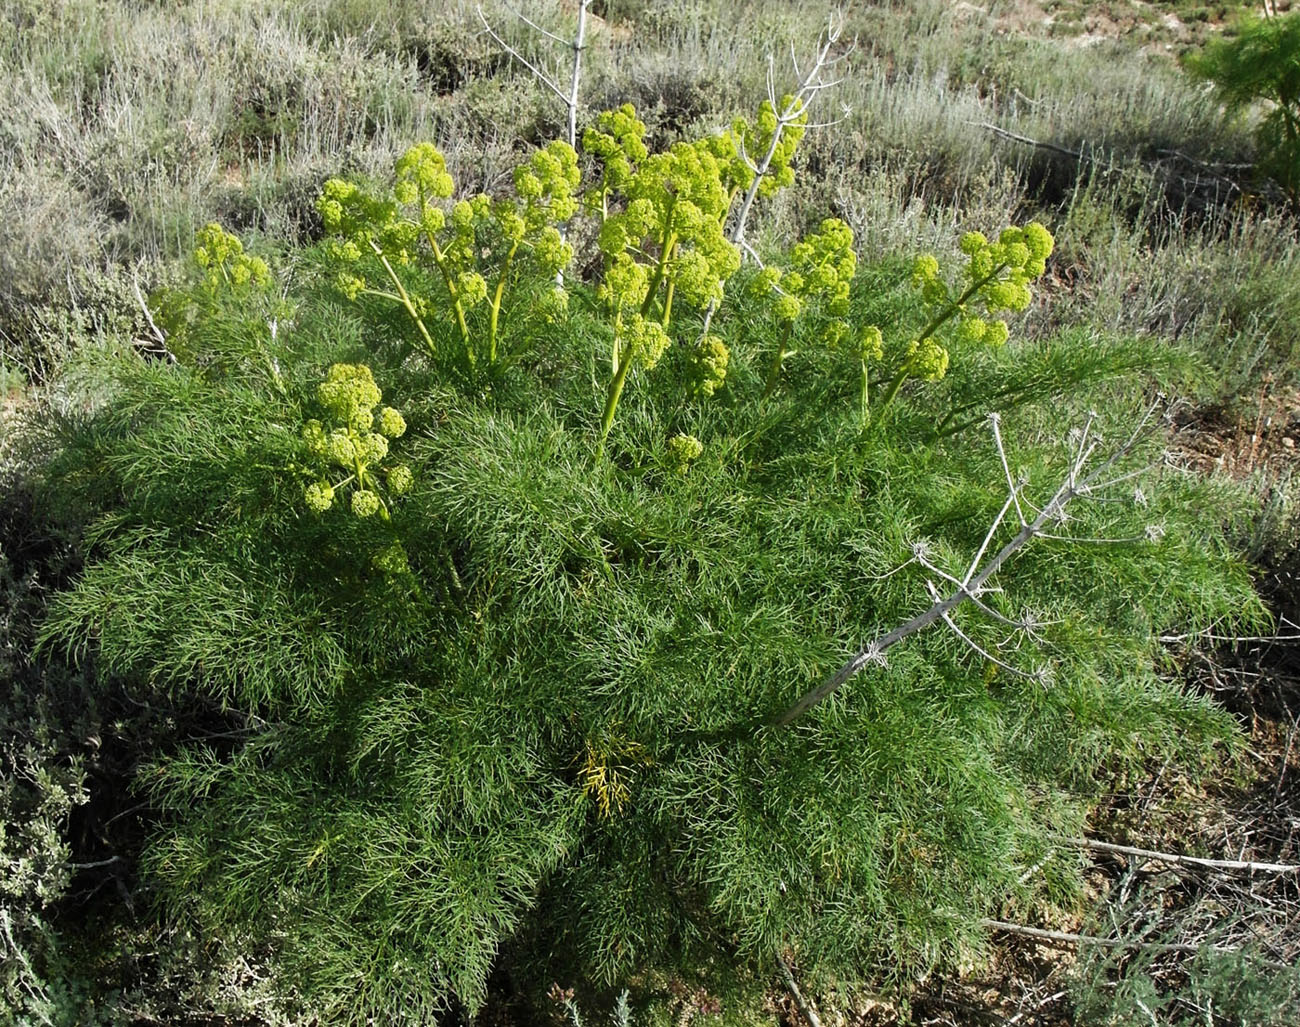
1170	857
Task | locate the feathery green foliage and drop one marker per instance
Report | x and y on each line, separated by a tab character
1261	62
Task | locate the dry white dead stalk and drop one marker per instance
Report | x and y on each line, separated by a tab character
1173	857
577	44
1079	482
159	335
811	84
1070	938
789	111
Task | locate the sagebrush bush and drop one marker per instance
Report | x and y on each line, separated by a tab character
1142	981
507	674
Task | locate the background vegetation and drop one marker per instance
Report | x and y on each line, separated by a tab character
127	126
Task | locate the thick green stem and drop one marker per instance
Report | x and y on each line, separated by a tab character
866	408
774	371
666	246
618	333
615	391
661	269
454	292
404	298
895	384
668	302
383	295
496	304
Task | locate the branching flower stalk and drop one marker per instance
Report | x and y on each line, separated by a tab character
971	586
817	283
402	297
664	241
998	276
476	238
449	279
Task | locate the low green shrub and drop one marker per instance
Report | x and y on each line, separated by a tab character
1214	980
509	589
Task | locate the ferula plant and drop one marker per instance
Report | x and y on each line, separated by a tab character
739	685
1260	60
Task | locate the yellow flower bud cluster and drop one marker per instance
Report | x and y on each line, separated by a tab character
675	206
224	262
359	220
644	341
547	186
870	343
472	244
1005	268
461	247
421	173
353	438
926	359
822	266
392	560
546	190
681	451
710	365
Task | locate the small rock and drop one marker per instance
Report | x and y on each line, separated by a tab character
1288	442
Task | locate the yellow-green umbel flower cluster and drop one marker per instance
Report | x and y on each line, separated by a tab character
367	226
822	266
996	280
392	560
681	451
674	211
710	362
870	343
926	359
545	200
547	186
617	142
421	173
1002	272
644	341
472	245
360	219
224	262
666	240
821	272
996	277
352	439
